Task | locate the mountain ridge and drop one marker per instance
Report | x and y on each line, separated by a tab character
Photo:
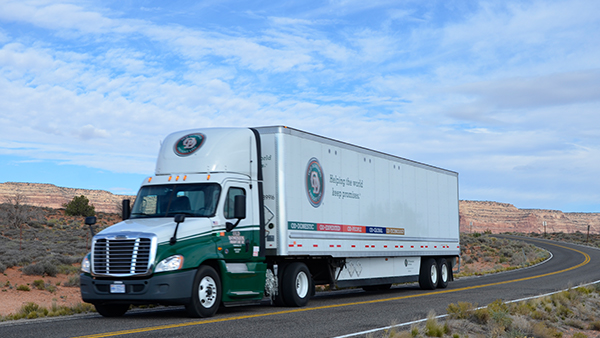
475	216
52	196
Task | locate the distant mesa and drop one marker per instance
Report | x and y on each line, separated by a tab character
49	195
475	216
479	216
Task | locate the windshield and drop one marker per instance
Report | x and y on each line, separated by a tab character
196	200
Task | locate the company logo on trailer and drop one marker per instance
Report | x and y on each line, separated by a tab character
315	184
188	144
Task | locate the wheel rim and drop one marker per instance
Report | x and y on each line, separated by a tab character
207	292
434	275
444	272
301	284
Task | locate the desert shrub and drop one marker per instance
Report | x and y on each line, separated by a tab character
33	270
595	325
72	282
39	284
51	288
23	287
3	267
48	268
79	206
68	269
69	260
542	331
461	310
481	316
578	324
432	327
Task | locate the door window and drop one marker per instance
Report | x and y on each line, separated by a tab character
229	201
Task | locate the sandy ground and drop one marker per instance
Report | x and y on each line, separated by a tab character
12	299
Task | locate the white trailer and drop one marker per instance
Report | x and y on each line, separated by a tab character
232	215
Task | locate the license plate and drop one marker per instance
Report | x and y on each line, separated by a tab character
117	288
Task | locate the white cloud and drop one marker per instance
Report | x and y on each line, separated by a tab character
539	91
47	14
505	93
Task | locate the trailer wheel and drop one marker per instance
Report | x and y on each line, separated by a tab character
428	278
297	284
444	273
111	310
206	293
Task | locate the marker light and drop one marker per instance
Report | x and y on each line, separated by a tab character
170	178
149	179
184	177
177	178
208	177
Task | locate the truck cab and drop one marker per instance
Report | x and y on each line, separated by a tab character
193	231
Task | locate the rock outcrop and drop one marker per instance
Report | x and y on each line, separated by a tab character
475	216
479	216
49	195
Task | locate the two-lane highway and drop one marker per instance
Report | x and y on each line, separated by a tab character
333	313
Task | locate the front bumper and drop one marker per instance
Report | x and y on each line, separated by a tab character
169	289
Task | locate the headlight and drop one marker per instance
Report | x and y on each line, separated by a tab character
85	264
170	264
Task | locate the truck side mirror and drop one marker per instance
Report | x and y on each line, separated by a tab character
90	220
178	219
239	207
239	211
126	209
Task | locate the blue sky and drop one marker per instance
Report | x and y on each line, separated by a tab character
507	93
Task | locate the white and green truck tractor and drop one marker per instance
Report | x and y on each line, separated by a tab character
238	215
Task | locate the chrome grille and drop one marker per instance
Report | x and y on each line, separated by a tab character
122	256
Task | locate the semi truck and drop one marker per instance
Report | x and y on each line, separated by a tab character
241	215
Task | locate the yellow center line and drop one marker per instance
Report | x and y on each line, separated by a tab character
218	320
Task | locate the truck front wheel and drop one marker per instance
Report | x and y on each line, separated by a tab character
297	285
428	277
111	310
206	293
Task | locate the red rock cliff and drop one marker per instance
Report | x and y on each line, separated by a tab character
49	195
501	217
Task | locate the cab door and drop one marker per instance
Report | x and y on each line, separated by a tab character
243	269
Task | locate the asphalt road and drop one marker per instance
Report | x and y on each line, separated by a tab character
331	314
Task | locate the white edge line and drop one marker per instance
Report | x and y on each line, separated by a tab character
442	316
481	307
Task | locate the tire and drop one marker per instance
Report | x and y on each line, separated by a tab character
297	285
428	277
278	300
443	273
111	310
206	293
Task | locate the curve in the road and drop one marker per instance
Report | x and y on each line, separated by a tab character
217	320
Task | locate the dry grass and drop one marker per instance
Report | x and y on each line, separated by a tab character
575	312
571	313
483	254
